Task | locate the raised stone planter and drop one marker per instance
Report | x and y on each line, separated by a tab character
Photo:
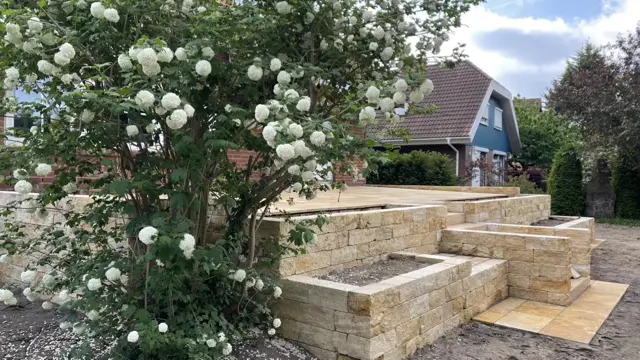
354	238
392	318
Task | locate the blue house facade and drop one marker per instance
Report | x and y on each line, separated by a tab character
475	123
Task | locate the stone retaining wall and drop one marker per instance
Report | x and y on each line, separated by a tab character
33	226
523	210
393	318
539	266
509	191
361	237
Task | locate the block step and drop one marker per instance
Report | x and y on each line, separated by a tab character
597	242
455	219
578	286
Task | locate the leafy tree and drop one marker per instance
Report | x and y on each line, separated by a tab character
565	182
600	91
626	177
542	134
154	96
526	186
415	168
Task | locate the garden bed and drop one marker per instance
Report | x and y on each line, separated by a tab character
554	221
373	273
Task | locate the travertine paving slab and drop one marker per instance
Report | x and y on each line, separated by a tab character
579	321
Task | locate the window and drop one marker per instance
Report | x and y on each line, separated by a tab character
485	115
498	169
498	119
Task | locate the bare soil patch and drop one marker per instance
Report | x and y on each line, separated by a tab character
617	260
373	273
549	222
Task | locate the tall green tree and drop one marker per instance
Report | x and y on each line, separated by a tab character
542	134
565	182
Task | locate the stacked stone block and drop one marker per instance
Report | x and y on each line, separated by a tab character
360	238
523	210
539	266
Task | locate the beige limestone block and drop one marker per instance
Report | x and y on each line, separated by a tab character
409	348
322	338
383	343
555	273
521	281
419	306
330	241
413	241
474	296
362	251
396	316
400	230
453	290
354	324
430	238
453	322
562	287
344	255
408	330
321	354
437	298
418	214
551	257
370	219
342	222
519	255
362	236
290	329
451	247
559	299
373	299
392	217
395	354
443	277
380	247
535	295
313	261
306	313
548	243
524	268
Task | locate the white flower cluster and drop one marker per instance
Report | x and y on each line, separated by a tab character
12	77
283	7
47	68
65	54
13	35
23	187
148	235
7	297
100	12
203	68
43	169
132	130
188	245
145	99
254	72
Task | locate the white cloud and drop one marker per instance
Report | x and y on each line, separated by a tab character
617	16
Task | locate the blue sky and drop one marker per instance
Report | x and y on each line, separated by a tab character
524	44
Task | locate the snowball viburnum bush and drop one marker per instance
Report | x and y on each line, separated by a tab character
145	105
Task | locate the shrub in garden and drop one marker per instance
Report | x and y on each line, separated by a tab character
415	168
155	95
565	182
626	184
526	186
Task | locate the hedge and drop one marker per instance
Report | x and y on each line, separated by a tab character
626	184
526	186
415	168
565	183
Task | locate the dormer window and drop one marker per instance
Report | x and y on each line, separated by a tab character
484	120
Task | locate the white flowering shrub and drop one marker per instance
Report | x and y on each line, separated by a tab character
154	96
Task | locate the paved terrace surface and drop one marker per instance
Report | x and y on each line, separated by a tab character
368	196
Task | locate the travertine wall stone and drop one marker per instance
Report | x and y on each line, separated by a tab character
539	265
523	210
361	237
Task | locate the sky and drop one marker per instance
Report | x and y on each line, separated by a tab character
524	44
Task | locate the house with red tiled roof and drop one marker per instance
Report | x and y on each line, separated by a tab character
474	121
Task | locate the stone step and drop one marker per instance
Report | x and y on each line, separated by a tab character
597	242
578	286
455	219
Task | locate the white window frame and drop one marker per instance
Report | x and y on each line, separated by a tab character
475	156
497	112
484	119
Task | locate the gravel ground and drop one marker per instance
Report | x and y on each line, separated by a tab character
617	260
31	333
369	274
